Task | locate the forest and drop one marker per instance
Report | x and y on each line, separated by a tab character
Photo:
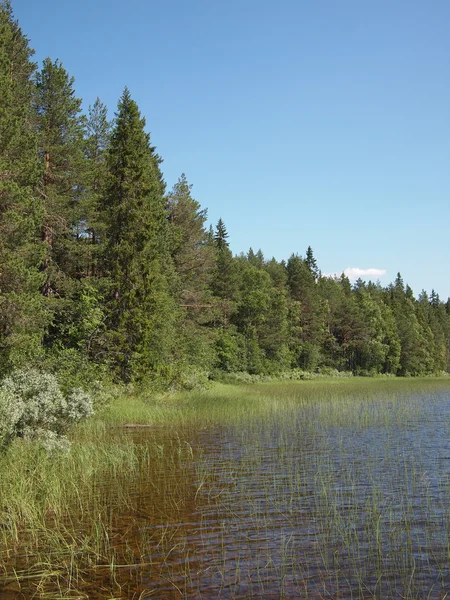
107	273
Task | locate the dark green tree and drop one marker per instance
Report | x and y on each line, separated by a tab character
303	289
60	127
311	263
90	225
140	312
221	235
193	257
377	350
256	258
223	282
23	317
191	250
416	339
431	311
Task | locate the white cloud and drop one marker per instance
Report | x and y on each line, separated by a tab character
355	272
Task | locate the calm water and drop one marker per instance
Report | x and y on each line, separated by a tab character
306	502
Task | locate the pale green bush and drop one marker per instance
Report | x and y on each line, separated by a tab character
41	396
33	406
51	442
78	406
11	410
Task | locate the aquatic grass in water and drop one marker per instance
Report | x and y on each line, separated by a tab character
296	490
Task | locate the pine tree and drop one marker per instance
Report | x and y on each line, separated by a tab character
90	223
60	128
23	318
303	289
193	257
191	250
140	312
98	130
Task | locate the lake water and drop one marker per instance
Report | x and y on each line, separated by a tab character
318	500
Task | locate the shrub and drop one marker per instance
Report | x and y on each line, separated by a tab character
291	375
32	405
50	441
41	396
78	406
11	410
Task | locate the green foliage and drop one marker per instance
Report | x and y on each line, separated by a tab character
228	352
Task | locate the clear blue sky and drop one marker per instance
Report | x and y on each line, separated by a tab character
322	123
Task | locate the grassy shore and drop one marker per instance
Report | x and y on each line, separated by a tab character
75	525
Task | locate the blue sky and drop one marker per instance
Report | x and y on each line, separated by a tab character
322	123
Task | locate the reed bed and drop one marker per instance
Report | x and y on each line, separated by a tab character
312	489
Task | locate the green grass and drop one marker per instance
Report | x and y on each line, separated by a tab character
110	518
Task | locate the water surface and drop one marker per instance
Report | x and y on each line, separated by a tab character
332	499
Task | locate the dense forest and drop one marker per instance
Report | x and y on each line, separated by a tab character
106	272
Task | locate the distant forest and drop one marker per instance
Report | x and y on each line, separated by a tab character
105	272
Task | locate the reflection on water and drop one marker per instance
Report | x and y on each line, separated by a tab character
293	504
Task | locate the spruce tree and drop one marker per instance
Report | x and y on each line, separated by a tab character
140	310
221	235
223	283
23	318
311	263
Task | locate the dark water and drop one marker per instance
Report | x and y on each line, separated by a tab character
347	502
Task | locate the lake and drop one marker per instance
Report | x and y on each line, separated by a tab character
280	495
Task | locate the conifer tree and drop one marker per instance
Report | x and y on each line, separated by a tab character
90	222
221	235
23	317
303	289
416	338
193	257
223	282
140	311
191	250
60	128
311	263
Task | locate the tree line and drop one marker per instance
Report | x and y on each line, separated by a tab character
103	270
